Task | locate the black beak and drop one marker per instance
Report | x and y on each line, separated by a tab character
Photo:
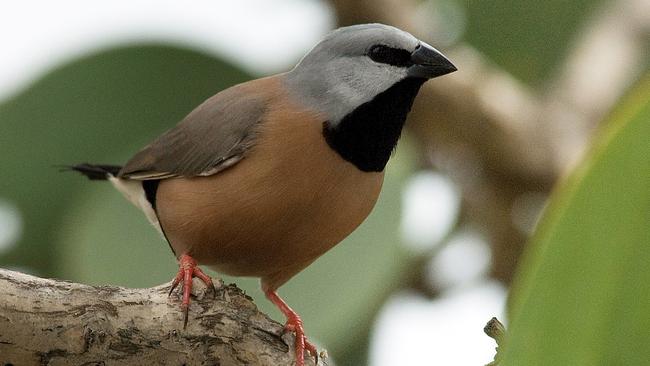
429	63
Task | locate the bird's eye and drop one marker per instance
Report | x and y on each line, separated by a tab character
389	55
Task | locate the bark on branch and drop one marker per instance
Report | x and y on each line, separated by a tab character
52	322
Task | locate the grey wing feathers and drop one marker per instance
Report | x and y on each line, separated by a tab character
211	138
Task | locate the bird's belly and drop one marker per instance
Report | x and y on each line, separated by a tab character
271	214
248	227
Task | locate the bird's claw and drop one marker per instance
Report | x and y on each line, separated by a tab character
188	268
294	325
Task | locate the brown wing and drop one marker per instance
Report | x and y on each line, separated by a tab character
211	138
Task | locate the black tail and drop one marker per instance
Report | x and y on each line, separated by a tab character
95	171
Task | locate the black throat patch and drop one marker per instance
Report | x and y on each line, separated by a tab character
367	136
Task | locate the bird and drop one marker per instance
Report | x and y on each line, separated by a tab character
266	176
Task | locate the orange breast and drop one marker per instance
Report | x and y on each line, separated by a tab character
286	203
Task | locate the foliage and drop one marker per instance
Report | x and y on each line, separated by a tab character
526	37
101	109
582	296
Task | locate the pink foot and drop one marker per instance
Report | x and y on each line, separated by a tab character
188	268
294	325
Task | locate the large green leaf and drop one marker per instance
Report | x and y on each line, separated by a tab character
583	294
99	108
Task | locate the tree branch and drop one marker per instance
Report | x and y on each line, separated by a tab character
495	330
52	322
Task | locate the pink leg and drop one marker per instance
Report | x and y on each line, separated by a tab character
188	268
294	324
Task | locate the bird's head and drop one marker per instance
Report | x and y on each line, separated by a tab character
352	65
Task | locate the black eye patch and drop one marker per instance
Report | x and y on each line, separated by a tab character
389	55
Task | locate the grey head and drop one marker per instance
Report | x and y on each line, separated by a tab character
352	65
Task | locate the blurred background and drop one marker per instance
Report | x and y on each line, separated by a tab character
94	82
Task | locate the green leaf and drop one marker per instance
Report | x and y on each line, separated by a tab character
90	110
582	296
529	38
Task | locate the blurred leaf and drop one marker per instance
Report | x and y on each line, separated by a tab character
583	294
103	239
527	37
100	108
